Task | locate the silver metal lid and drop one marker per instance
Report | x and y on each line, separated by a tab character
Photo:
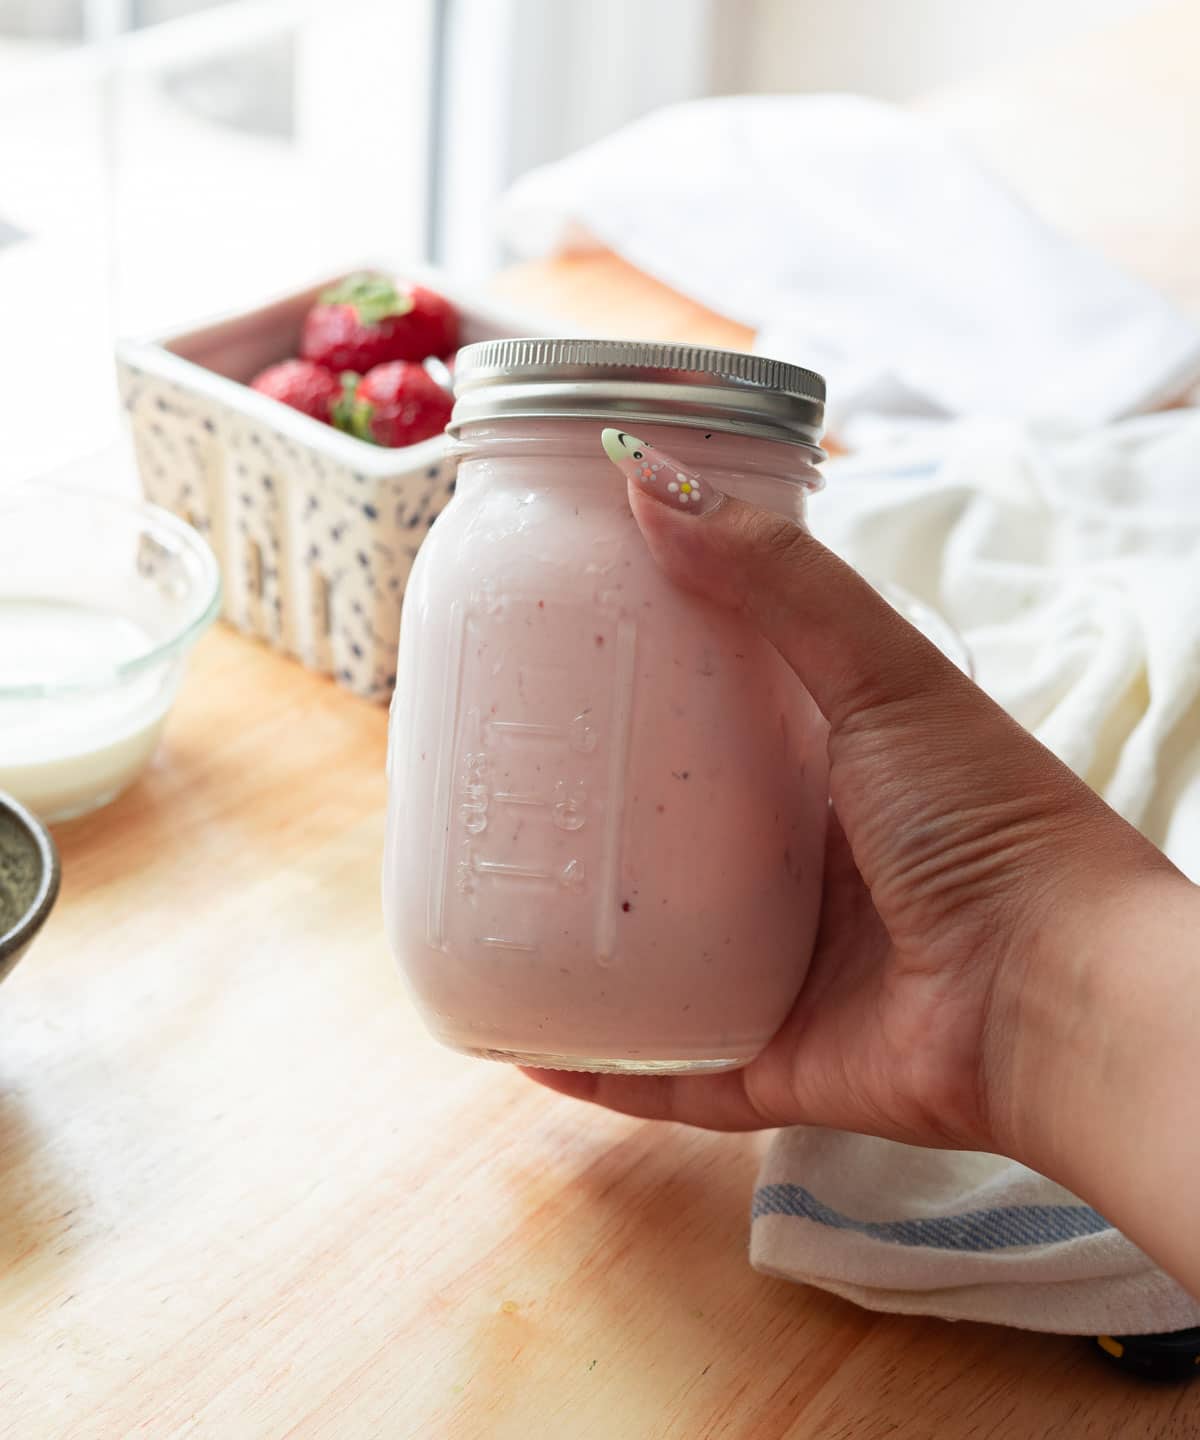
635	381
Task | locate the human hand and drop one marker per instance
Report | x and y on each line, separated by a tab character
963	862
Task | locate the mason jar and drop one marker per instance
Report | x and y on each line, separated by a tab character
608	798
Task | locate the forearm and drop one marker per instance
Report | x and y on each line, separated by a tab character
1104	1078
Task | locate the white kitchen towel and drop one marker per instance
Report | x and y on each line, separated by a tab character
963	1237
863	242
1070	562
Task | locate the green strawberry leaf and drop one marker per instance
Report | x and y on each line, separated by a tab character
373	297
350	414
360	424
342	409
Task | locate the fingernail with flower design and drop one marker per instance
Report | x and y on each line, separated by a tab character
658	475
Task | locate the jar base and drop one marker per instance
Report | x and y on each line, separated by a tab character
608	1067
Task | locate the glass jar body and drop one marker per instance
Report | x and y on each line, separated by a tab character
608	798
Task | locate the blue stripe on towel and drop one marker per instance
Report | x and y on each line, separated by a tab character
997	1229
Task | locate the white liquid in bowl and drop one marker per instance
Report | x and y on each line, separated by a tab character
62	754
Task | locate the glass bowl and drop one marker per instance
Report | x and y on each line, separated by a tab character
101	600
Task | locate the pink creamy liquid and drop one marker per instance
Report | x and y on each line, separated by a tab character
608	799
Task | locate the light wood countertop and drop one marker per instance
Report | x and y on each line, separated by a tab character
243	1195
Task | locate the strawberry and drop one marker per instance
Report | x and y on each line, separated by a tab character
367	320
306	387
395	404
434	322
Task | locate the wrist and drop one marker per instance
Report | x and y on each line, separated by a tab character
1103	1040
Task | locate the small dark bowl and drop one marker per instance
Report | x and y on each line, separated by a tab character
29	875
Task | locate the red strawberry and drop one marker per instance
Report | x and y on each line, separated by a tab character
395	404
434	322
304	386
367	320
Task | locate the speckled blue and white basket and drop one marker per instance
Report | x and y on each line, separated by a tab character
314	530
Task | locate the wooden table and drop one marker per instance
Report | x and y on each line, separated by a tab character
243	1195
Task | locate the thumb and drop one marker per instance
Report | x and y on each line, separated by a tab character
853	651
934	784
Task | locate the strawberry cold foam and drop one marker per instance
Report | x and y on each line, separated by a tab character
609	798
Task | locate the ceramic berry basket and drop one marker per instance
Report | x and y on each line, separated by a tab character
315	531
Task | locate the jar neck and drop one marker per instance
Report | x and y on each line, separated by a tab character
771	473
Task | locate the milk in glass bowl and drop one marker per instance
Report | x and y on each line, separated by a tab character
101	601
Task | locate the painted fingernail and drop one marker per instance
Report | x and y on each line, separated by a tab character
658	475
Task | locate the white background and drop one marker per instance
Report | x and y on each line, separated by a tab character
895	49
172	159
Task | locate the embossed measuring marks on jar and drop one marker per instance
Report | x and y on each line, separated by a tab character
531	776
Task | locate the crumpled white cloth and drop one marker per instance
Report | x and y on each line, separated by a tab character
863	242
959	1236
1068	559
1070	562
860	241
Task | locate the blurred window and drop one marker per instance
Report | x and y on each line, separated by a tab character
166	160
